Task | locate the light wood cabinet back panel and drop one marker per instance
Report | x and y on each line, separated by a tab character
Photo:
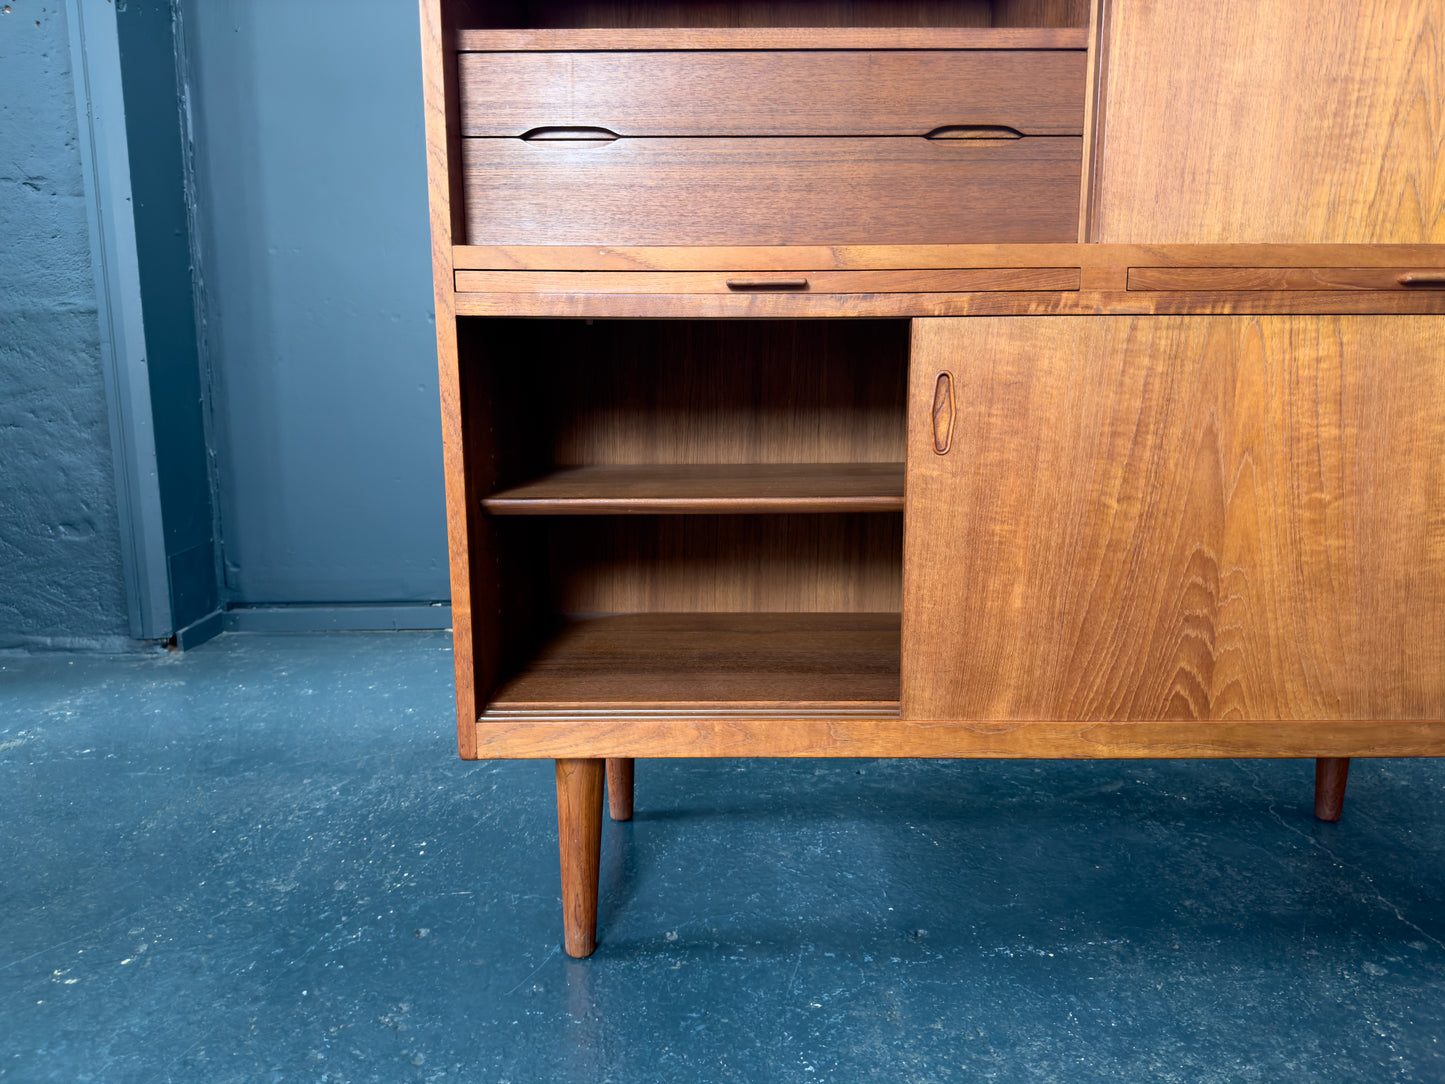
576	393
1139	518
711	564
1273	120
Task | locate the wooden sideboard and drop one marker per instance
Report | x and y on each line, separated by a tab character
958	378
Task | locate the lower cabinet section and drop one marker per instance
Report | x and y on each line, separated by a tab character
1076	536
1058	536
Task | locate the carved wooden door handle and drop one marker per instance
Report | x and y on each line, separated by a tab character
942	413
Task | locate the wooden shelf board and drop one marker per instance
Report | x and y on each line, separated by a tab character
751	38
706	488
683	661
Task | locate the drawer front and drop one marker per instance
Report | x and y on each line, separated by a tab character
732	191
733	282
1285	278
725	93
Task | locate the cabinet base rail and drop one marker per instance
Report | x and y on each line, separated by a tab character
571	733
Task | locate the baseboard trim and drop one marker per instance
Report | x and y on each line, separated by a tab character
198	632
338	617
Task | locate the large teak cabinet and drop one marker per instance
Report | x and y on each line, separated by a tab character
962	378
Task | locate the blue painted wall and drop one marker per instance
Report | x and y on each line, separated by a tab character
145	31
61	582
311	184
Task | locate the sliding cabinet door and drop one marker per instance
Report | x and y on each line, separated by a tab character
1172	518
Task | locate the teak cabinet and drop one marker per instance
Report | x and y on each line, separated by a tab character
964	378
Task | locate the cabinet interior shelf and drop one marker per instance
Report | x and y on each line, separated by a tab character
700	661
727	488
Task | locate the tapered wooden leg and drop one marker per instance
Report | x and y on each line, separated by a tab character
619	788
579	837
1330	776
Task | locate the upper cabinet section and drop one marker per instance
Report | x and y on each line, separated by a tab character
748	136
1272	121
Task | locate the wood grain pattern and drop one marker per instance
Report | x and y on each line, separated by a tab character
1060	13
1095	80
801	734
1282	278
621	772
690	660
733	191
1178	518
579	839
688	282
679	393
1280	121
440	112
1331	774
732	488
757	306
773	93
1110	258
721	563
634	393
794	36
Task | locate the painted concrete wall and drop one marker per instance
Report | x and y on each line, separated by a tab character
61	581
311	183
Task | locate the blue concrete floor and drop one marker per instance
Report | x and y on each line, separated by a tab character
261	861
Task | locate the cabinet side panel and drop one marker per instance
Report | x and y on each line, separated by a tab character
1174	518
441	119
1273	120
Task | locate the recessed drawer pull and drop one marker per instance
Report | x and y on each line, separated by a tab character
573	134
1423	280
767	284
943	413
974	131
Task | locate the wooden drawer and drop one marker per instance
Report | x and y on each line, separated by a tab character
664	142
1285	278
726	282
783	191
1036	92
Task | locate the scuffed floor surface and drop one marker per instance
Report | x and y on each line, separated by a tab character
262	861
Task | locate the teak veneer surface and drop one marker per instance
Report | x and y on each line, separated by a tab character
759	305
1272	120
1285	278
688	659
629	393
739	191
1177	518
703	488
1113	259
797	732
721	563
686	282
772	93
